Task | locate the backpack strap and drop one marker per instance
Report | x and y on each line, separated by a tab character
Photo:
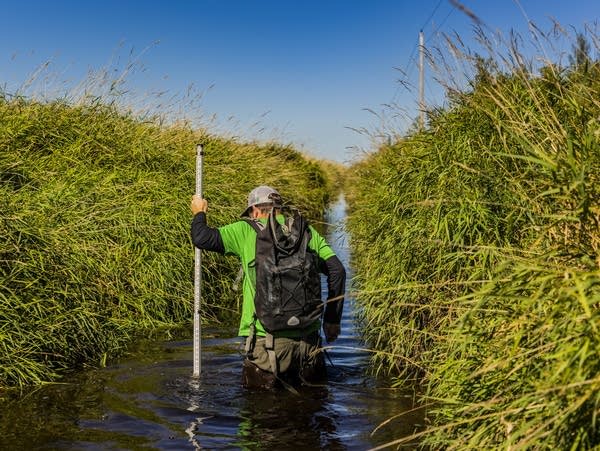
251	340
270	347
238	279
269	339
255	224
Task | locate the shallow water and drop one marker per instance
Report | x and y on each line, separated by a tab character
149	400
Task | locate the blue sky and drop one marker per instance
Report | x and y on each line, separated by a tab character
301	72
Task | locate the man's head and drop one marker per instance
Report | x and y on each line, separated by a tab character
262	198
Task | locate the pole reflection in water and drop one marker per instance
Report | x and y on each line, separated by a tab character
150	400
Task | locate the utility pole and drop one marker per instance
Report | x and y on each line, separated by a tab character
421	80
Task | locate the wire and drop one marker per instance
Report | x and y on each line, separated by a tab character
411	62
431	15
410	58
442	23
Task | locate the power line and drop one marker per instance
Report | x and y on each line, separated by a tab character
410	63
443	22
431	15
410	58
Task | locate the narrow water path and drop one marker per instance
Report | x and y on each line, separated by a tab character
150	401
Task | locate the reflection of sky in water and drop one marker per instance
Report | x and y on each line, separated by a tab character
150	399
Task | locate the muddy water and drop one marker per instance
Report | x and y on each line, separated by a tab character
150	401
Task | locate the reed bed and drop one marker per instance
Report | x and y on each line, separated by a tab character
94	226
477	249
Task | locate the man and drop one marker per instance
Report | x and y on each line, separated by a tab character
289	356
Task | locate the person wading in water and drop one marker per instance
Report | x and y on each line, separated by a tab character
281	257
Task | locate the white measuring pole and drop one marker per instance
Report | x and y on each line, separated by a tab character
197	269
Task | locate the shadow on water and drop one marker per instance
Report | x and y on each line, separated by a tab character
150	400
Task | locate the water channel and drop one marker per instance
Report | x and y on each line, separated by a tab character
149	399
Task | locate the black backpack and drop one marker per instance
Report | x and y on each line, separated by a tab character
288	285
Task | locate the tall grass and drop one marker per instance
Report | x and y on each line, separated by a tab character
478	254
94	226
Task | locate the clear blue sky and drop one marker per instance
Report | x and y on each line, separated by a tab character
302	72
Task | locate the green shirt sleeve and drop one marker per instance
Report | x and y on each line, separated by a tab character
319	245
235	238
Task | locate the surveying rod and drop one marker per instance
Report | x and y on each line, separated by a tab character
197	269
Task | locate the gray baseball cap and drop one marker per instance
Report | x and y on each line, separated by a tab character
262	195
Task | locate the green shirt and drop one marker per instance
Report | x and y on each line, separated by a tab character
239	238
